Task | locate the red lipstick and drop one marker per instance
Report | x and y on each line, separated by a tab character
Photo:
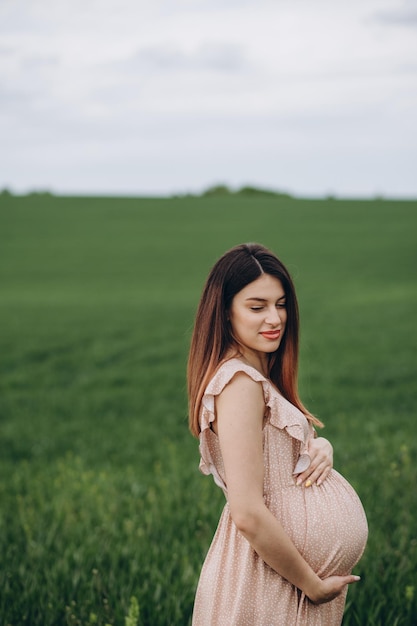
272	335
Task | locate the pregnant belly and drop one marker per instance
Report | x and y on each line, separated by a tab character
327	524
336	527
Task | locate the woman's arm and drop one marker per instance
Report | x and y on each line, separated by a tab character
240	409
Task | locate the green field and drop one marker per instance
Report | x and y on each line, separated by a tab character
100	496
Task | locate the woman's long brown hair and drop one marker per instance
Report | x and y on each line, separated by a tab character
212	339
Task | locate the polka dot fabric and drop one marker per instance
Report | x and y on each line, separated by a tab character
327	524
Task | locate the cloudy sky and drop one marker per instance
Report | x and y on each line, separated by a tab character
159	96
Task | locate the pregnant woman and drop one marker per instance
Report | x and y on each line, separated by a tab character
292	528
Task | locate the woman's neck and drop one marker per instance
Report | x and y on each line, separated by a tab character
257	360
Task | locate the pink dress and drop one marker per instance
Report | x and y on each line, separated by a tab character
327	524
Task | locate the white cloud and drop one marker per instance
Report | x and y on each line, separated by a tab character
398	14
103	95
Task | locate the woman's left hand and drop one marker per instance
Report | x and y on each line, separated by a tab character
320	452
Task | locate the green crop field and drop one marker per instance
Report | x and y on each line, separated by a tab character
101	500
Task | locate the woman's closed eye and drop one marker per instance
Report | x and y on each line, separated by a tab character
261	308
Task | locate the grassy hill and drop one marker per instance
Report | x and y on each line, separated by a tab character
100	495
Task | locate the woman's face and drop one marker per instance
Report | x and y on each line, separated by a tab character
258	315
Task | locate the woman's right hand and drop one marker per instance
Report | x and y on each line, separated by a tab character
329	588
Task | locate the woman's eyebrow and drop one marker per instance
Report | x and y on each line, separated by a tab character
257	299
265	299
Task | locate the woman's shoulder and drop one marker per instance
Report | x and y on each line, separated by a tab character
228	370
234	365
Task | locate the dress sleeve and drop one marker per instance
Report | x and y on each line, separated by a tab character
223	377
279	413
211	461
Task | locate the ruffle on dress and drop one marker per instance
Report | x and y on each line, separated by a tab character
279	413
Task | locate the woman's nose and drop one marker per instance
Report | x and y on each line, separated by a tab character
273	317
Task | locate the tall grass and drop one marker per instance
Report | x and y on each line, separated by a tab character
100	497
